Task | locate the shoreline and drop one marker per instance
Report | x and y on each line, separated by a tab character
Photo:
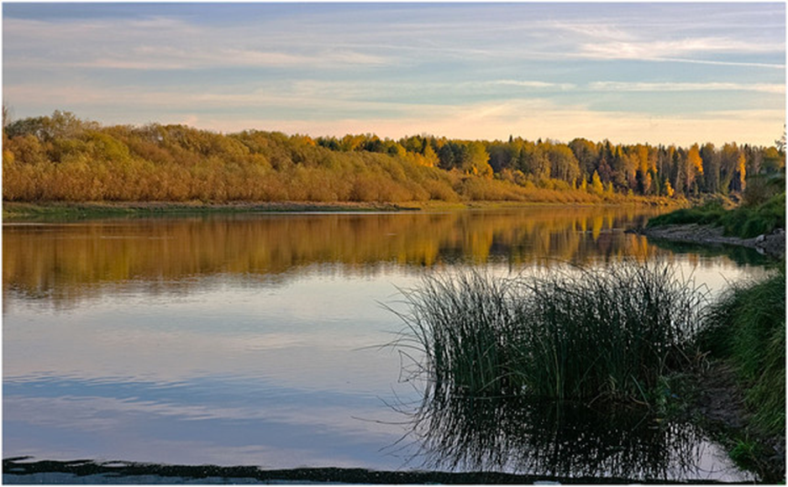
772	244
19	211
71	210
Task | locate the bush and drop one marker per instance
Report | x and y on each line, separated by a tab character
761	188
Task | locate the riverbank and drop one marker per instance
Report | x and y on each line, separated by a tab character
25	471
719	403
758	223
772	244
720	363
16	211
64	210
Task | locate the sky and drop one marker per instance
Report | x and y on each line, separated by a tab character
658	73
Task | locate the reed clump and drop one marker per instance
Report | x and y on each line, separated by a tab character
578	333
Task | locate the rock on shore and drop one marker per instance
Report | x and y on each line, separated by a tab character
772	244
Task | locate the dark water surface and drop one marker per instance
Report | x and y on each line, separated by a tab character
256	340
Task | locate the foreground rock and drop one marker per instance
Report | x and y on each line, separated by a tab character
772	244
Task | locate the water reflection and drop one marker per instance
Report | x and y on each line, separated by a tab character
249	339
64	263
568	440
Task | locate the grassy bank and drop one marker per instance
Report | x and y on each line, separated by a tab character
629	333
77	211
64	211
744	331
746	327
744	221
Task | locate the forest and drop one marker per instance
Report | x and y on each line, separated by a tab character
63	158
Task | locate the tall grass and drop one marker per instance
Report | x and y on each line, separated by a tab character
463	325
747	327
580	333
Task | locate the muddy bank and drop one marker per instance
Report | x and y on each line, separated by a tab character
719	402
24	471
772	244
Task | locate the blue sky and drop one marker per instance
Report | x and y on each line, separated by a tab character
628	72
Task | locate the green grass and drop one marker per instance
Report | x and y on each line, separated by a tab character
743	221
612	333
747	327
708	213
61	211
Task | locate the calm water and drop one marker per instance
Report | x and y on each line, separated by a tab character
256	340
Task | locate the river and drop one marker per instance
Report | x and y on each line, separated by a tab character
261	339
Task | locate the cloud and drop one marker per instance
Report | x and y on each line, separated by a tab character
179	59
163	44
649	49
596	30
677	87
674	51
669	41
466	71
530	84
722	63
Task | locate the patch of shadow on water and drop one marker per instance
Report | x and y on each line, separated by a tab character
562	440
21	471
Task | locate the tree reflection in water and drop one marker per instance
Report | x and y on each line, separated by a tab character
560	439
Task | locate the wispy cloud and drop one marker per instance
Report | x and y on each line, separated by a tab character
618	86
530	84
738	64
676	40
161	44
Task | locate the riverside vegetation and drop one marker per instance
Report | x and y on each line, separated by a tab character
746	327
63	158
762	210
583	334
626	334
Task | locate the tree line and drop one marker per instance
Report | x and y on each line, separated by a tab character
640	169
63	158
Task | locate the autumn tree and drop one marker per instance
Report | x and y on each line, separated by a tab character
596	185
711	168
732	168
475	160
693	167
586	153
773	160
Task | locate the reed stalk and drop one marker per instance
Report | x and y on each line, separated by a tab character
573	333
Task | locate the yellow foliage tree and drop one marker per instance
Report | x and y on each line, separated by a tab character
596	185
